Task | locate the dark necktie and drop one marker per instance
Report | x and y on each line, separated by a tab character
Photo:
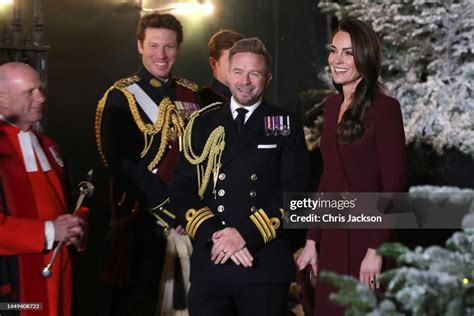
240	119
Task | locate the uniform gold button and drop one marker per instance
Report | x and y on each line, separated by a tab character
221	192
221	176
155	83
253	193
253	177
253	208
220	208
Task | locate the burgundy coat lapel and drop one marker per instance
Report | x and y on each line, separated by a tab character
332	144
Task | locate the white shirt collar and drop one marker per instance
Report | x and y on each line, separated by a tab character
30	148
251	108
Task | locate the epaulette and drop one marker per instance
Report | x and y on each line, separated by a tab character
187	84
122	83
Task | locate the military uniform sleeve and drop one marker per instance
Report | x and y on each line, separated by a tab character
192	213
266	224
197	218
119	136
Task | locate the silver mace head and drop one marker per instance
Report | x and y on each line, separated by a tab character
86	187
46	272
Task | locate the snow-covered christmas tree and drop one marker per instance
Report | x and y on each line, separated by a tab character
429	281
433	281
428	64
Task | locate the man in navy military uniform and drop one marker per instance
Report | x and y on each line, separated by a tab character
219	46
138	123
227	191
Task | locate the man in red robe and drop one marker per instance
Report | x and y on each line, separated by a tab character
33	204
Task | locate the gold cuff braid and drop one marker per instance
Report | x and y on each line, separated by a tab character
265	225
196	218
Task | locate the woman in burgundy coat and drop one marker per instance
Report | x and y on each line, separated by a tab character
363	149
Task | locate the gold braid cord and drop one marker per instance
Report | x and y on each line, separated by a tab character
212	152
98	125
169	123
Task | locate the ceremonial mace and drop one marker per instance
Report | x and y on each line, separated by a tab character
86	188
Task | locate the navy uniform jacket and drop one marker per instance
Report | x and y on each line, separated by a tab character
216	92
255	171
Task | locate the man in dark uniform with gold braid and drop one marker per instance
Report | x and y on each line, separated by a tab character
227	191
219	46
139	124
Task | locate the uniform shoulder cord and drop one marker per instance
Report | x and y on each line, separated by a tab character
212	152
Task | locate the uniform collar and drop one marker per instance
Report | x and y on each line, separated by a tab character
147	77
221	89
251	108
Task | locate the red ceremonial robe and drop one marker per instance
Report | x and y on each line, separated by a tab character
30	199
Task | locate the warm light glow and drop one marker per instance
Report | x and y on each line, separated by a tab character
207	8
465	281
186	8
5	2
193	7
